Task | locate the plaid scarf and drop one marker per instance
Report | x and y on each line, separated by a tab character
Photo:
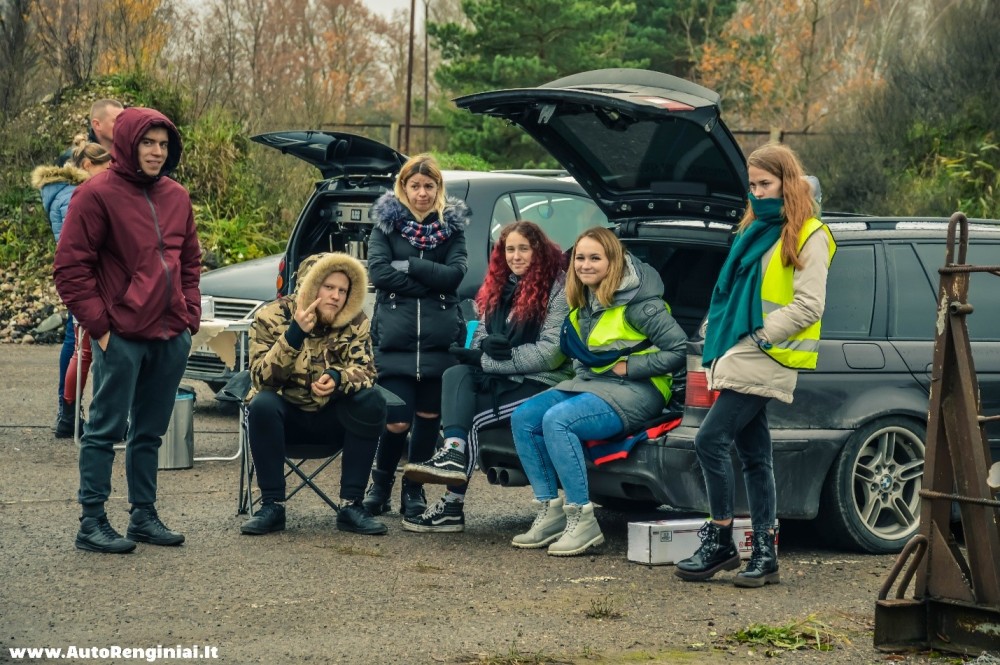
424	236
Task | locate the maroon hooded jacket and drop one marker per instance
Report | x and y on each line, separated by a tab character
128	258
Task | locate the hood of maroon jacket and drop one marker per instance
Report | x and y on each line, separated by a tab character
128	259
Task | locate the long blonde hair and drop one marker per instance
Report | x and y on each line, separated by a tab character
576	291
424	165
799	205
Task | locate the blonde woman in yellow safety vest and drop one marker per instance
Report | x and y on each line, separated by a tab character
763	327
625	346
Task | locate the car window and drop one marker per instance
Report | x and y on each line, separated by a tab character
912	306
984	296
562	216
850	292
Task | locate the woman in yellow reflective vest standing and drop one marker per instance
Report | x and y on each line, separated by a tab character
625	346
763	327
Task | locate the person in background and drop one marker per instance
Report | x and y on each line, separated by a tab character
625	346
763	326
103	113
313	373
416	261
514	355
57	184
128	267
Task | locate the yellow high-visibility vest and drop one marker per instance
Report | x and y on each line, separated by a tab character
777	289
613	332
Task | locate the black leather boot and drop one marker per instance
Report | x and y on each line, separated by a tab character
763	566
64	421
716	552
413	501
377	497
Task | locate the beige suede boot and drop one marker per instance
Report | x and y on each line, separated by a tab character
582	531
549	523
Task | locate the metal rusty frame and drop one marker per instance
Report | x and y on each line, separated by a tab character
956	602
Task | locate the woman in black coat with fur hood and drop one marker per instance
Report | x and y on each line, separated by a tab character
416	261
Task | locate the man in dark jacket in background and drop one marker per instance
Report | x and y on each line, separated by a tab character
103	114
128	266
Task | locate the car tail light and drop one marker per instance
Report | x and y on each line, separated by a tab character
280	281
696	392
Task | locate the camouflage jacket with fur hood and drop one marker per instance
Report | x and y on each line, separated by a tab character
343	349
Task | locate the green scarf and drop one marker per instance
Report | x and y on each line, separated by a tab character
736	309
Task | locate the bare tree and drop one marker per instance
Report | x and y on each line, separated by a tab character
136	33
795	64
69	34
18	56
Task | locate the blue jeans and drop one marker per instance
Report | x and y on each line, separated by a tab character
740	419
547	432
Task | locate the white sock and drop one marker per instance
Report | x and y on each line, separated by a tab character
450	496
455	442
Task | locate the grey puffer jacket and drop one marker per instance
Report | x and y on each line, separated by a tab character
633	397
542	360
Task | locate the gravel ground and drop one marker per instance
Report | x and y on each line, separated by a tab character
315	595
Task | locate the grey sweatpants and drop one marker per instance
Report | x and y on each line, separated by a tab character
133	380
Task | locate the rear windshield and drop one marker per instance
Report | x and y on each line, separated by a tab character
671	156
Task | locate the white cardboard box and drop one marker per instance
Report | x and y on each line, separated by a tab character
669	541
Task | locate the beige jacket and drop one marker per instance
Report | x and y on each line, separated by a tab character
747	369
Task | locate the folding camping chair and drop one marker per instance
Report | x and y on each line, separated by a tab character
296	456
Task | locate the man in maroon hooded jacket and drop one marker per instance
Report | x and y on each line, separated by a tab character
127	266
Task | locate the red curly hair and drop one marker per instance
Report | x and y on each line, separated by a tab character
532	299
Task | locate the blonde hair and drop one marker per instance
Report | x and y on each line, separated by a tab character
83	149
423	165
576	291
799	205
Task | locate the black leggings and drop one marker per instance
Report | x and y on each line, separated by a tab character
466	407
424	396
271	421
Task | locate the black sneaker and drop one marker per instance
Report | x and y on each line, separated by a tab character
354	517
270	518
145	526
447	467
97	535
442	517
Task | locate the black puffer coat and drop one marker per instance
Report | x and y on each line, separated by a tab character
417	316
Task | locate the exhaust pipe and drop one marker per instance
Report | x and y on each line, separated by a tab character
501	475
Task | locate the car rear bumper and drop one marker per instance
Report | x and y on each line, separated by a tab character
666	470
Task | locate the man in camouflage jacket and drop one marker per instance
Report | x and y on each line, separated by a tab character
313	376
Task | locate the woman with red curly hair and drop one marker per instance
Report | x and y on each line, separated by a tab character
513	356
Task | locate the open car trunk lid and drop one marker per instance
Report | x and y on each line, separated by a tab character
336	154
643	144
